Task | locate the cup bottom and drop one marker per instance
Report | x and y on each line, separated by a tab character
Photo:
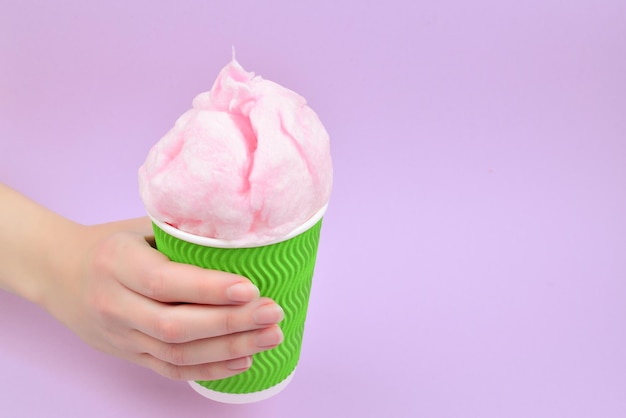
241	398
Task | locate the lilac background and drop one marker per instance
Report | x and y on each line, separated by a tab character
473	260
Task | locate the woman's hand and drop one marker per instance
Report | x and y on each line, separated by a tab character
113	289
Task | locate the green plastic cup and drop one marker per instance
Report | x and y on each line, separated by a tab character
283	271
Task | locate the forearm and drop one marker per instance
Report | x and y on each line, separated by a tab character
36	245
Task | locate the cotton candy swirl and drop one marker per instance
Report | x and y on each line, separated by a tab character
248	163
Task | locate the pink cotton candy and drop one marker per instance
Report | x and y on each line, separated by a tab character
248	164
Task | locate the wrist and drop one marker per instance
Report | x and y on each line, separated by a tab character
31	240
57	267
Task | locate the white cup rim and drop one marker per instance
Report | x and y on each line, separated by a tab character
219	243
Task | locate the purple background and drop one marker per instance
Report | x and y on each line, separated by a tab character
473	259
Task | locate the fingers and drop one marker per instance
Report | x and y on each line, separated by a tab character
211	350
188	341
189	334
212	358
208	371
167	281
150	273
187	322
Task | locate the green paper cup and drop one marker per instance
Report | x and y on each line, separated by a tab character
283	271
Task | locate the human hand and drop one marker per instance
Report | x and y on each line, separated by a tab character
125	298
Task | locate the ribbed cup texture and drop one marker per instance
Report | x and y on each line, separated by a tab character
281	271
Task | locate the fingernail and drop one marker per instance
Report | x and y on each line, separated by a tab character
242	292
239	363
269	337
268	314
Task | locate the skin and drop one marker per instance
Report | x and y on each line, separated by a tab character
113	289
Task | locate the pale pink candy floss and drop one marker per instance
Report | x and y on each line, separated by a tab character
248	164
